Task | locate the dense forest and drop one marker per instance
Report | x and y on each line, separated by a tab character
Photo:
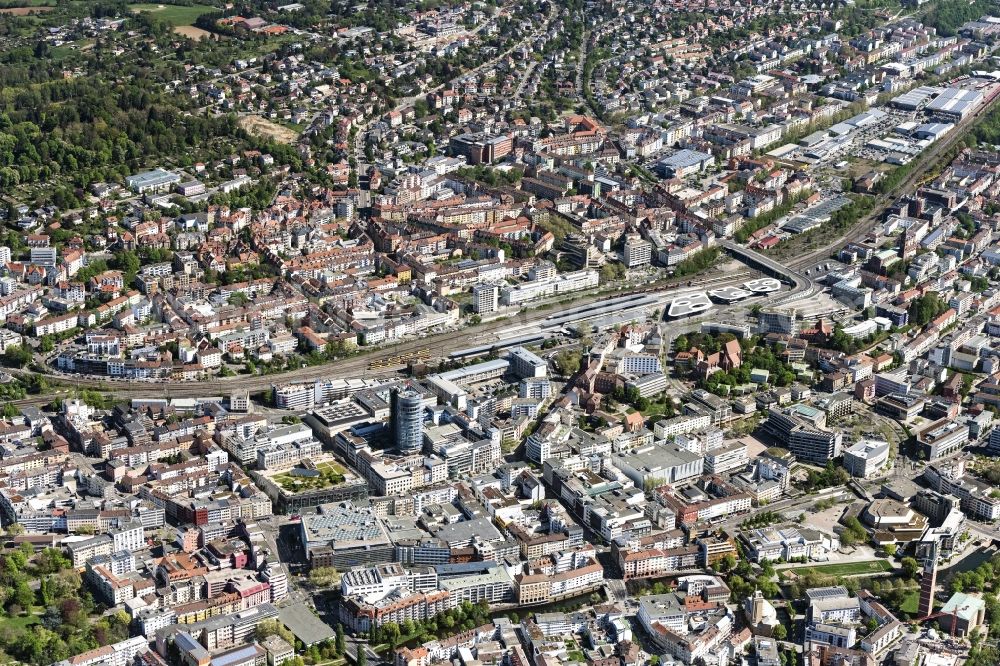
116	115
107	132
947	17
98	127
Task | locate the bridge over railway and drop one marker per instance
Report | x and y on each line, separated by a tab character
801	285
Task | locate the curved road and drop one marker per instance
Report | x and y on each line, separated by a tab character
800	283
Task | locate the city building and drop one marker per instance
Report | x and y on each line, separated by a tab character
407	420
799	429
485	298
941	438
866	458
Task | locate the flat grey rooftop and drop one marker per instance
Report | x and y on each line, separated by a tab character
307	627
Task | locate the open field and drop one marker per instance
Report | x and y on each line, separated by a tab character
197	34
267	129
24	11
175	15
71	49
843	568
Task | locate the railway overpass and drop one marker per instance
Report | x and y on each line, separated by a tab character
801	285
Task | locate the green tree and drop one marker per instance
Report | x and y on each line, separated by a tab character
274	628
612	272
780	632
23	595
128	262
51	560
390	633
568	362
697	262
910	567
324	577
925	308
46	344
727	563
17	357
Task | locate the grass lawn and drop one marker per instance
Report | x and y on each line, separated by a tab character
331	473
844	569
21	621
912	600
656	409
909	605
71	49
175	15
331	465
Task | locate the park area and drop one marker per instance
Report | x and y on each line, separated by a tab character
328	473
843	568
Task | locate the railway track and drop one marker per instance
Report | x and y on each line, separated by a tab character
381	361
927	161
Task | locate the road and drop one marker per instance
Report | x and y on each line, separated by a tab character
442	345
581	65
801	285
800	503
984	530
524	78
